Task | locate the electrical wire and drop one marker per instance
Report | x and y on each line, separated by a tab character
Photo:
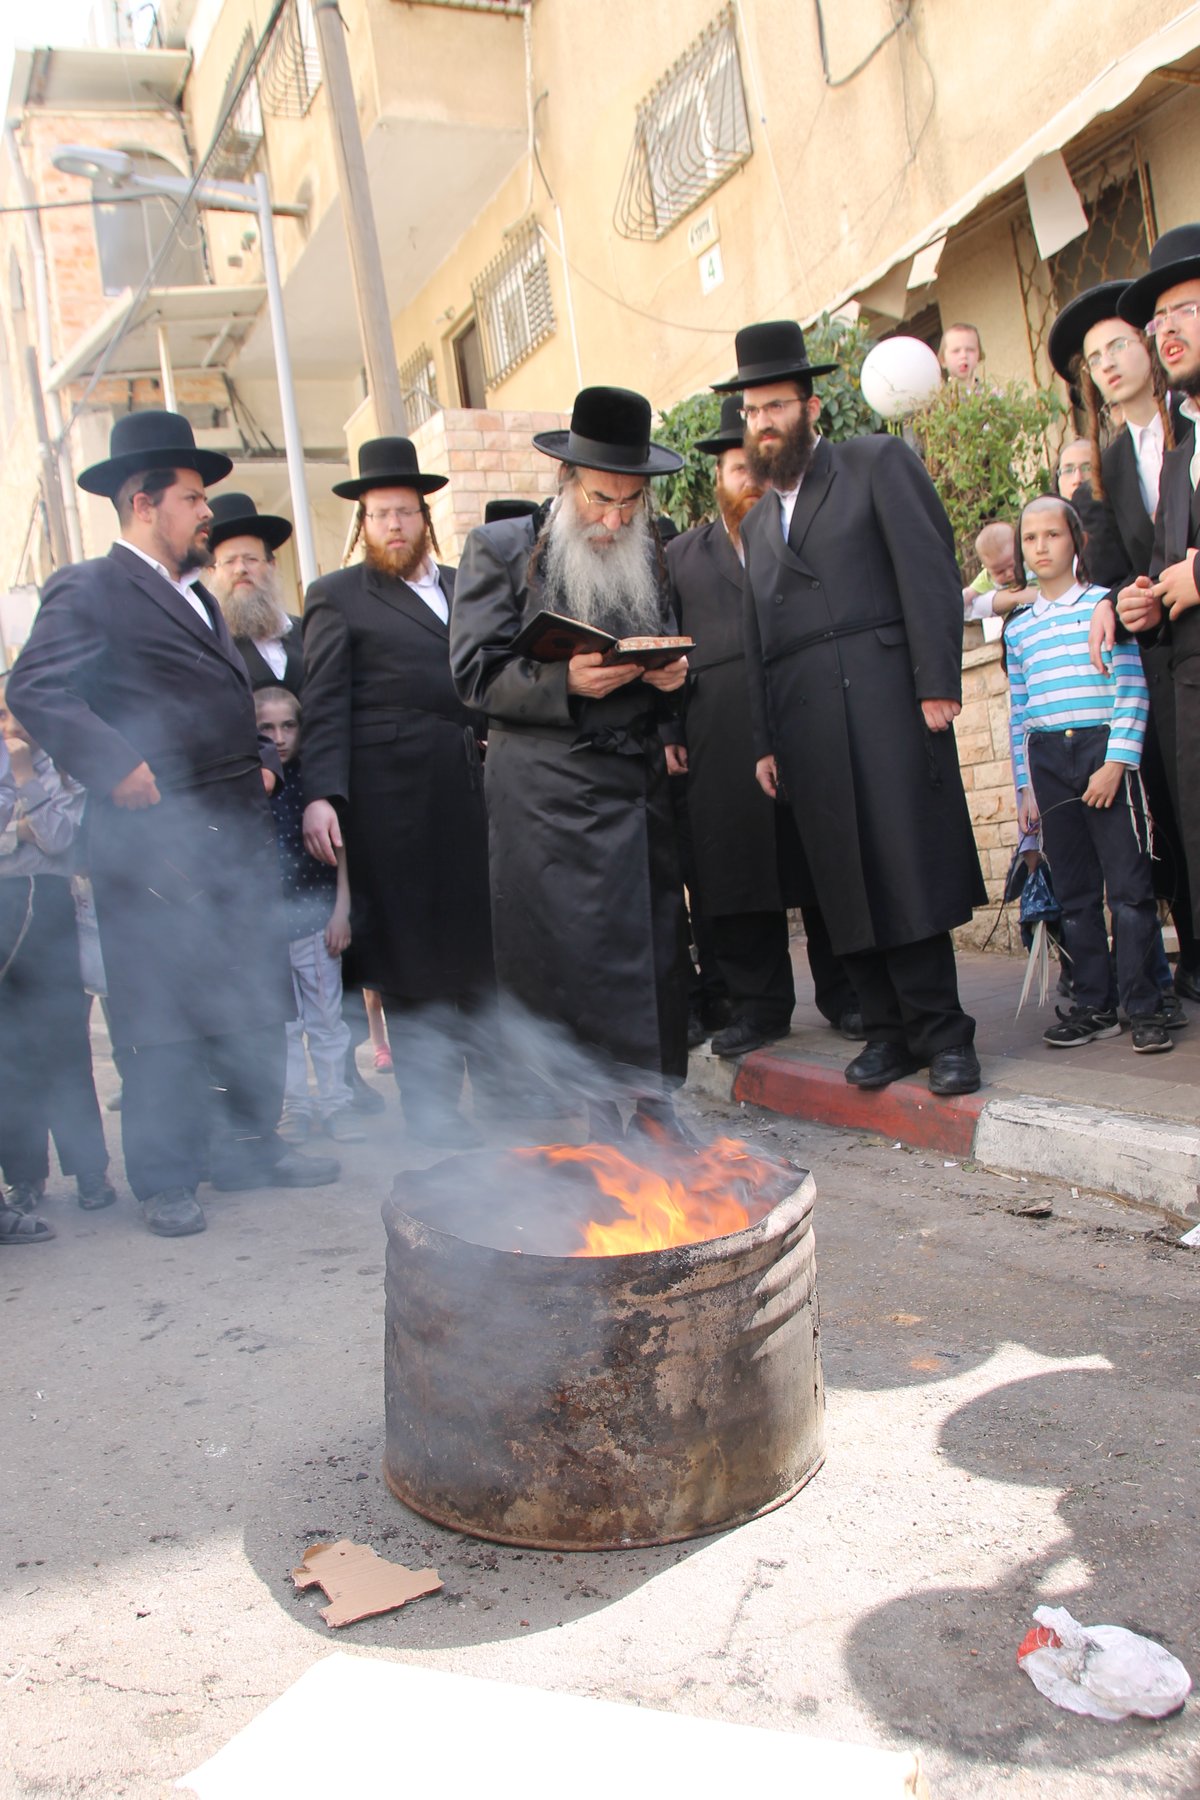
842	80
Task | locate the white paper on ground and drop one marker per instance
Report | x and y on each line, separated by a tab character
357	1725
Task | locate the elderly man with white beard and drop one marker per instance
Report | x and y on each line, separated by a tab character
587	911
242	542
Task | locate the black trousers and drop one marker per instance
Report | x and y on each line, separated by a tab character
752	954
909	996
1092	850
206	1104
46	1085
433	1046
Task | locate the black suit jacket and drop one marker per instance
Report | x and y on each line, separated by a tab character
259	669
1120	532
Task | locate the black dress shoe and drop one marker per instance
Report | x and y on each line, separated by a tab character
95	1191
175	1212
880	1064
292	1170
744	1035
850	1026
697	1031
955	1071
363	1097
25	1196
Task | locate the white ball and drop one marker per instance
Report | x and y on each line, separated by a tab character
900	375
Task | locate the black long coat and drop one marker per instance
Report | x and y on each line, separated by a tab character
119	670
587	897
262	675
849	625
386	739
743	844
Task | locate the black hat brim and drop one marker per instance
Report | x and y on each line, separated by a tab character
1141	296
1065	339
107	477
608	459
716	446
408	478
760	374
273	530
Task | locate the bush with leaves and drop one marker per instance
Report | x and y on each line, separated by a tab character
987	452
688	496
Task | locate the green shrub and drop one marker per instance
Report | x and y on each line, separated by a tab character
987	452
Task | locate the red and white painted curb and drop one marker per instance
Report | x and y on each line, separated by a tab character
1151	1162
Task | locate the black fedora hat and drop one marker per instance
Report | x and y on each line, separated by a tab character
151	439
235	515
1175	258
388	462
731	432
771	352
610	431
1076	319
495	510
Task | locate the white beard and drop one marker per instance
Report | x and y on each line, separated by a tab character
614	588
257	614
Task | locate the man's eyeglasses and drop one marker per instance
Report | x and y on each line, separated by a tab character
1172	315
771	410
397	515
606	504
1116	347
245	562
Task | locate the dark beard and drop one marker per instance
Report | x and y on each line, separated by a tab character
782	465
399	564
198	557
1188	384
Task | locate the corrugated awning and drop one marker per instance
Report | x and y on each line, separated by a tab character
1114	85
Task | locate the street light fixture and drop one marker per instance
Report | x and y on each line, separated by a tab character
118	168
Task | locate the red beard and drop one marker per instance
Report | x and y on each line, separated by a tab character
400	563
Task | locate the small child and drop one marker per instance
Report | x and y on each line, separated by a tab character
1076	746
316	903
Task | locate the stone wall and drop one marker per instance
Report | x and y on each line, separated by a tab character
983	753
488	456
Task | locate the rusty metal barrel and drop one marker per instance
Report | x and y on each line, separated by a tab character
578	1402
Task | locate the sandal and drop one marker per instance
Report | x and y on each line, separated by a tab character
23	1228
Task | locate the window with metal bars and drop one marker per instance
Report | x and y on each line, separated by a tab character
239	142
692	132
291	68
418	385
513	304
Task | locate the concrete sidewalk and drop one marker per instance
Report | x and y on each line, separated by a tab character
1099	1117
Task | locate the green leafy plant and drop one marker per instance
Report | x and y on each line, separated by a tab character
688	496
987	452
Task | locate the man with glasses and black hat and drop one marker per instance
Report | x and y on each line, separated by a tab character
587	900
131	682
748	864
854	623
243	543
392	768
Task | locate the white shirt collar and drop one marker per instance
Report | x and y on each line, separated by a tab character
180	582
1190	410
1072	597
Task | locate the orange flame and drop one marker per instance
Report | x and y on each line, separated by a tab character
663	1211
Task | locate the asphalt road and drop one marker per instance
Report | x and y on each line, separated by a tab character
1013	1417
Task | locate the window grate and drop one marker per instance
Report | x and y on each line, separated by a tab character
418	384
291	68
692	132
513	303
239	143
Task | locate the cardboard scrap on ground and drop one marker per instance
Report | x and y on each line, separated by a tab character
358	1583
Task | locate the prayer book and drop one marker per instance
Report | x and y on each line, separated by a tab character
553	637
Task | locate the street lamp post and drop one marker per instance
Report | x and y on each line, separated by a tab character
228	196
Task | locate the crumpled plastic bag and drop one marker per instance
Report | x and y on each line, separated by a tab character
1101	1670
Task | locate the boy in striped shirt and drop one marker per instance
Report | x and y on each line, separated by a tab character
1077	746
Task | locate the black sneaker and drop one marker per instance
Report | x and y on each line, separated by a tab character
1150	1036
1081	1026
1171	1011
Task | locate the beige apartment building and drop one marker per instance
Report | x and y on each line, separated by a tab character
563	193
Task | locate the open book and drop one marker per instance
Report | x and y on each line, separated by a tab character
552	637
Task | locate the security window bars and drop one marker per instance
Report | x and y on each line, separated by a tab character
291	68
418	384
239	141
513	304
692	132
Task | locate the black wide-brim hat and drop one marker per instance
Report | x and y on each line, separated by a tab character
151	439
388	462
610	431
731	434
1065	340
1175	258
235	515
495	510
771	352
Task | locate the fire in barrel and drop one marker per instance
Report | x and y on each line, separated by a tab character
589	1348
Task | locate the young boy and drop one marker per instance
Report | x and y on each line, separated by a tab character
316	902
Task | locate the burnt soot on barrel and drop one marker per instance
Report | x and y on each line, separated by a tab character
588	1352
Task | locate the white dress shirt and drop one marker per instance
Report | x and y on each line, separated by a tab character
787	504
1189	410
183	588
427	582
1148	446
274	655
